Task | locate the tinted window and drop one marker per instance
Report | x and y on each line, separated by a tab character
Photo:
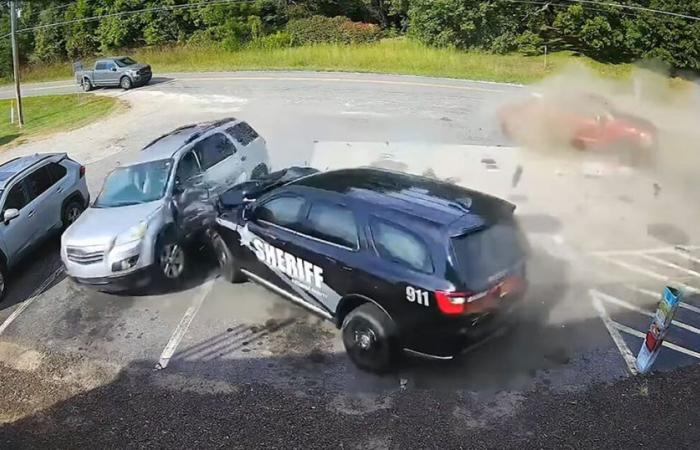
57	171
15	198
283	211
332	223
187	168
213	150
38	182
244	133
401	246
486	253
101	66
125	62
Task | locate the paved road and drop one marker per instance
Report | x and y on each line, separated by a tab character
245	346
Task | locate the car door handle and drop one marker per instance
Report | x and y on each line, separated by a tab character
59	190
347	268
31	214
243	158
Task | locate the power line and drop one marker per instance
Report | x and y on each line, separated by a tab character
136	11
636	8
565	5
127	13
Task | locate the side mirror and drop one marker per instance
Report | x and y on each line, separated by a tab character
113	69
248	212
10	214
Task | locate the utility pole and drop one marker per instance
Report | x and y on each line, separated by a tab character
15	62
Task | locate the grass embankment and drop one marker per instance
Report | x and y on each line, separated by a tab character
400	56
47	114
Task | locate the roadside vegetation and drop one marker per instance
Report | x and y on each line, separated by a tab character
47	114
499	40
399	55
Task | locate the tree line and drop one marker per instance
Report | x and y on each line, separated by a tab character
601	31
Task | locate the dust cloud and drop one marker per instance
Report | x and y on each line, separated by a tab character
548	117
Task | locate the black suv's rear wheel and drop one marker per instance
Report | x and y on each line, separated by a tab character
228	266
2	280
370	339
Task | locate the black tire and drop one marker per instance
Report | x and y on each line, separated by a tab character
125	83
71	212
87	85
169	254
370	338
228	266
3	280
260	171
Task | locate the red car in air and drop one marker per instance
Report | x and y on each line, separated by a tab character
584	121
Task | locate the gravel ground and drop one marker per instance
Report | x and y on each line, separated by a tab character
138	410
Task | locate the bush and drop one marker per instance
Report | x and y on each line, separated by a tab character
272	41
340	30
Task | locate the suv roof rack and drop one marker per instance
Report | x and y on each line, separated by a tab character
207	127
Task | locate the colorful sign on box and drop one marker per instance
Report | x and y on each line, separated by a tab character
658	329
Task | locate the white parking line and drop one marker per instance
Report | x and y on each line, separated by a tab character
614	300
681	249
639	334
35	294
627	355
656	295
663	262
649	273
184	324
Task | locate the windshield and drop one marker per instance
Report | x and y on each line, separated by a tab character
131	185
483	255
125	62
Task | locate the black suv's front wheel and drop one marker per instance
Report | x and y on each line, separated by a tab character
370	338
228	265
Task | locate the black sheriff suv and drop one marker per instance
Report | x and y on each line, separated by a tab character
399	262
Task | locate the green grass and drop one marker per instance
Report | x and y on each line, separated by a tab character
46	114
400	56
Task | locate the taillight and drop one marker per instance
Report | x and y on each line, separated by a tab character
82	171
451	302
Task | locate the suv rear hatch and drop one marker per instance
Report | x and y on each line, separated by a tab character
489	268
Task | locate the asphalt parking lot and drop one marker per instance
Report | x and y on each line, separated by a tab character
590	299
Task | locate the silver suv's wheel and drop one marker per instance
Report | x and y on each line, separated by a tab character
171	260
71	212
2	282
125	83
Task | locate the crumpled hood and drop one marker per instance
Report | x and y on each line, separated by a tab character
100	226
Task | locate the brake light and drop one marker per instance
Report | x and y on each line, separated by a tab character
451	302
82	171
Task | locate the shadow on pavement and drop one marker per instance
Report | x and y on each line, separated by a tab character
38	272
7	138
215	393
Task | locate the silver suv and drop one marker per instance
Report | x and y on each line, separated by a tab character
137	228
39	194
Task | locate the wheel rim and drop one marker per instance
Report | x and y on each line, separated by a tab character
221	255
172	261
2	284
73	214
125	83
365	339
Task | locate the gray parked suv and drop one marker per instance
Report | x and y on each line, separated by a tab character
39	194
148	210
115	71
